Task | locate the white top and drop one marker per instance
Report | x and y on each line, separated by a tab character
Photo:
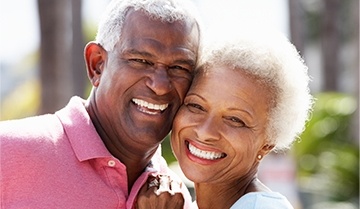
259	200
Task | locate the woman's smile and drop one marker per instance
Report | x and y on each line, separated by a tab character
204	154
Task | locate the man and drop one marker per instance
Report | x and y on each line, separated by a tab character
99	152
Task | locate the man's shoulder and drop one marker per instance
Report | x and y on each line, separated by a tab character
30	142
31	137
47	127
36	128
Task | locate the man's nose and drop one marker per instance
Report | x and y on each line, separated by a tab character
159	81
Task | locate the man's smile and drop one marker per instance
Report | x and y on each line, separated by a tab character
149	108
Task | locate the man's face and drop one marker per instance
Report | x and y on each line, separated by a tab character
145	78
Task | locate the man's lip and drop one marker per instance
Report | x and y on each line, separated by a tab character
148	107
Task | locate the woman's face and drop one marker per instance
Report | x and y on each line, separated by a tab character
220	129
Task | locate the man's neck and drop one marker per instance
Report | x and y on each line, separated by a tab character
135	158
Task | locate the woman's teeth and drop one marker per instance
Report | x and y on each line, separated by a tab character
205	154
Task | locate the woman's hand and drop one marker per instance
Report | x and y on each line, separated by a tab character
160	192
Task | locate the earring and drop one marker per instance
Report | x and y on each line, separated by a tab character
259	157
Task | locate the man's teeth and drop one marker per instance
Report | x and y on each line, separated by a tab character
204	154
151	106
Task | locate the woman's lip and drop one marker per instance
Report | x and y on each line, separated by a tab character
203	155
200	146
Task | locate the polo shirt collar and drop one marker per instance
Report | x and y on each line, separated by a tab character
84	139
81	132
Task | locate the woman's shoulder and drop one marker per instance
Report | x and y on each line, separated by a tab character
262	200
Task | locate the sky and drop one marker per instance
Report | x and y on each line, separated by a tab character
19	26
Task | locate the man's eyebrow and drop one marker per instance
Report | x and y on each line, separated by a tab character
137	52
182	61
190	62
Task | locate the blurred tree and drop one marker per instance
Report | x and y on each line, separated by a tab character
60	52
334	26
328	155
330	43
78	64
297	24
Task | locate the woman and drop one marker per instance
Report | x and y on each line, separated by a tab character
250	96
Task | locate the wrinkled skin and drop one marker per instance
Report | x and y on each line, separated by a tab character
219	133
139	86
147	199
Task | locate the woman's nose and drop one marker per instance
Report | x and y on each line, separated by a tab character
208	130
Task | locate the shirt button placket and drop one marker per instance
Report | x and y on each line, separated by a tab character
117	180
111	163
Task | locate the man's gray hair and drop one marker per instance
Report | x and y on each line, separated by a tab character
110	26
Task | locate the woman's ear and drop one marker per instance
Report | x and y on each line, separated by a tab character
95	56
266	149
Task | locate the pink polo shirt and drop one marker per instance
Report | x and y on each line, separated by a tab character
59	161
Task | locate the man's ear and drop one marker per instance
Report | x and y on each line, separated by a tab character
95	56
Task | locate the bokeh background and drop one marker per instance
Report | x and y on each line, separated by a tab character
42	66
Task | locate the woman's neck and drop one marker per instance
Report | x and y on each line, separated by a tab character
224	195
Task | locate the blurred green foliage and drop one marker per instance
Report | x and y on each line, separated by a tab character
327	155
166	150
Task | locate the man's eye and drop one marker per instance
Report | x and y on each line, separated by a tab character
176	67
180	71
141	61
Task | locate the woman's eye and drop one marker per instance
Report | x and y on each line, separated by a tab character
235	121
193	107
